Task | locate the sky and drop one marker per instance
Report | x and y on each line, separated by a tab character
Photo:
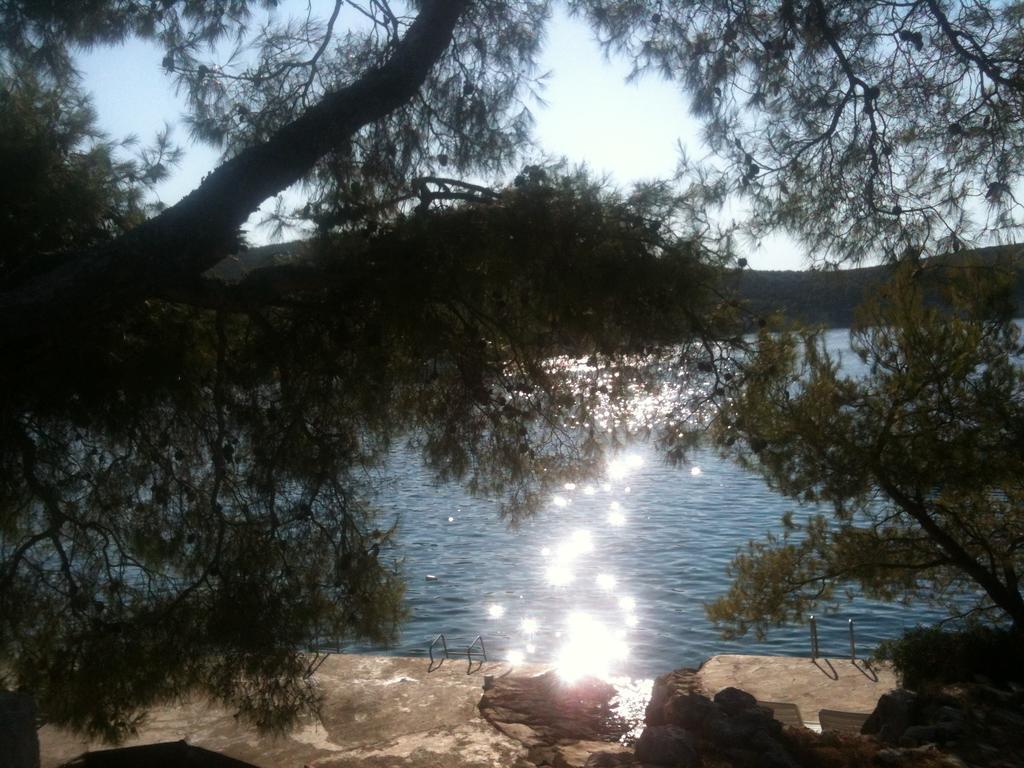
627	131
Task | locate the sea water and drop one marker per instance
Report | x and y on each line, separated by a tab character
610	578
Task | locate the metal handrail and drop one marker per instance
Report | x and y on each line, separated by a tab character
482	653
815	646
444	645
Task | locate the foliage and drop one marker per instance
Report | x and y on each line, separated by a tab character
186	462
247	75
184	493
867	128
933	657
66	184
165	529
918	456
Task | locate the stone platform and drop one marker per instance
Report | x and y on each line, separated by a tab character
379	712
812	684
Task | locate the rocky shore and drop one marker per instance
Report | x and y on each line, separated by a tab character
686	726
393	712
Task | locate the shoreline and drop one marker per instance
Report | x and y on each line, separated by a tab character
392	711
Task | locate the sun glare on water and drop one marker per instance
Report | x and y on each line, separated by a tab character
620	467
592	638
559	575
590	650
606	581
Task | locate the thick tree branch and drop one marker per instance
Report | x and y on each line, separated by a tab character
281	285
1002	595
175	247
977	56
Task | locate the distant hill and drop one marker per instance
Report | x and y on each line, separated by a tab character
816	297
830	298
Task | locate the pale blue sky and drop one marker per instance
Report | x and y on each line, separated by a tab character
628	131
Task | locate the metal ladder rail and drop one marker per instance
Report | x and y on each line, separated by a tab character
470	653
430	650
815	647
476	651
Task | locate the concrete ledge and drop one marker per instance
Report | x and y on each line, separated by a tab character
380	711
811	684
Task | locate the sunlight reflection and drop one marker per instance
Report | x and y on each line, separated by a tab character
630	702
590	649
515	658
627	603
559	575
606	581
589	490
695	471
582	541
560	501
496	611
579	543
570	486
530	626
618	468
615	517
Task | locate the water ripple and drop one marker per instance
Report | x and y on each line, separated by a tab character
641	585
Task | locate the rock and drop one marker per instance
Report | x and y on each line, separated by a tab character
995	695
18	741
556	711
889	756
733	700
667	745
893	714
727	732
524	734
948	714
776	758
680	682
766	719
561	725
690	710
928	755
610	760
543	754
581	754
918	735
655	712
1007	718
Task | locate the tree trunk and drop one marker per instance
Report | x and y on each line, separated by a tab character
175	247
